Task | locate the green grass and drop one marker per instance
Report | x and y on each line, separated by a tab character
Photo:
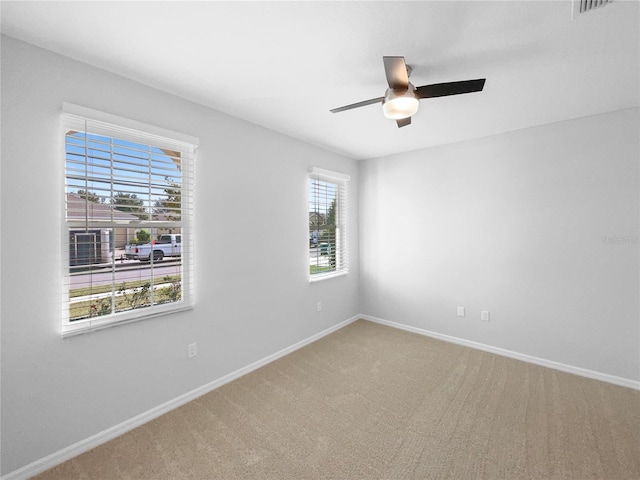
321	269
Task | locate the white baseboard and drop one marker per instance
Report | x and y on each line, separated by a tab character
87	444
583	372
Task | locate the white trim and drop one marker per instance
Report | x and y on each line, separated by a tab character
330	174
91	325
318	277
121	122
89	443
583	372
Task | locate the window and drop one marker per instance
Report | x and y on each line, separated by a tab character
128	223
328	253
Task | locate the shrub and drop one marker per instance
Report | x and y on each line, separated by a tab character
143	236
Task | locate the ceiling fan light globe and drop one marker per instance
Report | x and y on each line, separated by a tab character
399	105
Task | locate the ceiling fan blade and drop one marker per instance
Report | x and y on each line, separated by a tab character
356	105
396	71
404	122
450	88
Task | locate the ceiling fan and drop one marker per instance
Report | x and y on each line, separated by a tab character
401	99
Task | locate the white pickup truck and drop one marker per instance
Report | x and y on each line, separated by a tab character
167	245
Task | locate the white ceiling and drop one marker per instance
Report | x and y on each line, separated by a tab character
283	65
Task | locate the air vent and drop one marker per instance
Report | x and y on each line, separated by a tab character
583	6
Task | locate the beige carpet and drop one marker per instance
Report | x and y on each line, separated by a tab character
372	402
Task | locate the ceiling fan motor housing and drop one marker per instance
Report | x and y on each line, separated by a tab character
400	104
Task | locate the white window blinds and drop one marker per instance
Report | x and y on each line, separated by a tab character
129	211
328	247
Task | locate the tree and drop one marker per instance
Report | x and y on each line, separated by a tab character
128	202
333	241
143	236
171	205
92	197
332	213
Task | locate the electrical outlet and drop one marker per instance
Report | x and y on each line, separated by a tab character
461	311
192	350
319	306
484	315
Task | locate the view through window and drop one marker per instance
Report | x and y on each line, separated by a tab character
327	223
128	223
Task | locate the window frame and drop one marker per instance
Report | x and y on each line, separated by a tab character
341	181
119	128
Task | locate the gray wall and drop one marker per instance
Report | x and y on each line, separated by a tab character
253	296
538	226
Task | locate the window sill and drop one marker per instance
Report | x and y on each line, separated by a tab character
325	276
88	326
